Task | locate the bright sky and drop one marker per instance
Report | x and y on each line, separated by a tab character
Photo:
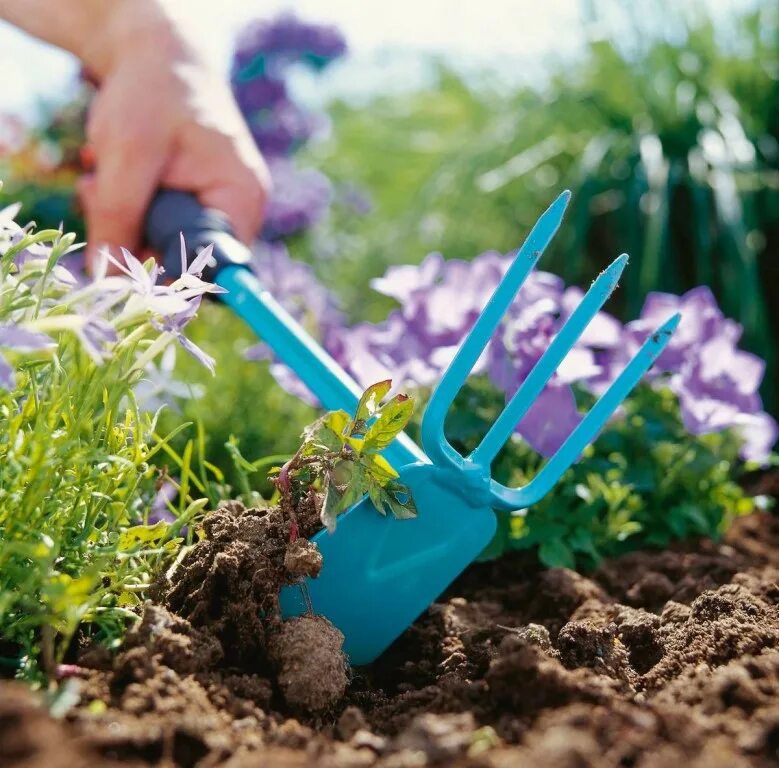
514	34
475	30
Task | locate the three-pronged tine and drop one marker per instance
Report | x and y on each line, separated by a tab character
589	426
543	370
434	441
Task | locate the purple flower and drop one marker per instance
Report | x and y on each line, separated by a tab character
174	325
759	432
166	494
95	335
284	128
300	198
701	320
288	38
551	418
295	286
355	199
259	93
717	383
22	340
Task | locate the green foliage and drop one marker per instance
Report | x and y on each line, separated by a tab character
341	455
644	482
76	543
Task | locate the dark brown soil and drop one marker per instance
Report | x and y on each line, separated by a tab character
656	659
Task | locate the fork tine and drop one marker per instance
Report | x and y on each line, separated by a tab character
590	425
434	441
542	371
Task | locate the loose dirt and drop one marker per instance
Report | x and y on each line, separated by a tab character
655	659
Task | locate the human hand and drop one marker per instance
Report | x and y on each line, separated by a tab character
163	118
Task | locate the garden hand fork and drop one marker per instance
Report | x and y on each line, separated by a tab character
380	573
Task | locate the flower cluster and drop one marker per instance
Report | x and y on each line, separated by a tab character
264	55
439	300
716	382
301	197
40	297
264	44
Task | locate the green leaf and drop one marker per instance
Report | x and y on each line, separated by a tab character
374	492
330	505
581	541
326	433
391	420
356	487
554	553
397	497
142	534
369	402
379	468
337	421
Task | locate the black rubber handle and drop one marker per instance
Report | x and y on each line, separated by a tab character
172	212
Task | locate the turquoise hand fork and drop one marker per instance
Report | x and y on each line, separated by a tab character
380	573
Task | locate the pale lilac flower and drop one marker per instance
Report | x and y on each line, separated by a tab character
759	432
7	374
159	388
174	324
400	282
160	511
144	281
21	340
717	383
96	336
301	197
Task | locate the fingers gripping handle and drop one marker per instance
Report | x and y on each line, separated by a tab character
173	212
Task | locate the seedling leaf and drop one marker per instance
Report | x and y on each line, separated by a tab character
391	420
369	402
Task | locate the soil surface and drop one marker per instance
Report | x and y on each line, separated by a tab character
655	659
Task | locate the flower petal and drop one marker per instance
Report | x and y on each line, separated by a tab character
24	340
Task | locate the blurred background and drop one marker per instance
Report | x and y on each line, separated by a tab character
397	129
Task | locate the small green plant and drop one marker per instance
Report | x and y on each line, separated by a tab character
646	481
341	455
77	547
